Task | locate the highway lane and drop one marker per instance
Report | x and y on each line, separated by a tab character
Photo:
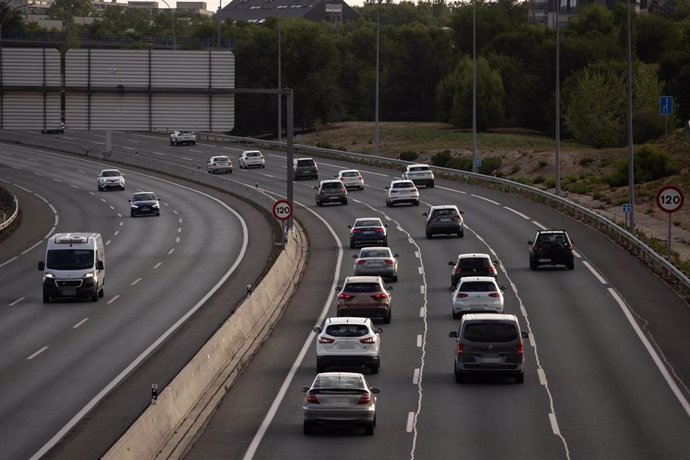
56	358
591	389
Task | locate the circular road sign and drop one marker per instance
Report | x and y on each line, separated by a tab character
669	199
282	210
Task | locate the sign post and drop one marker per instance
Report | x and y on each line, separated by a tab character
669	199
665	109
282	210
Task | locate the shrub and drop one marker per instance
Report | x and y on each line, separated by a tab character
650	164
324	145
408	155
515	169
460	163
441	159
543	163
585	161
539	179
490	164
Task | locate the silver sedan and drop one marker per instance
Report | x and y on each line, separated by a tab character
340	398
376	261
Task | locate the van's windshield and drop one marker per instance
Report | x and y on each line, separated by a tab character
70	259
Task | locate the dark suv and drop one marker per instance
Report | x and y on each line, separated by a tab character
330	191
304	168
472	264
445	220
364	296
551	247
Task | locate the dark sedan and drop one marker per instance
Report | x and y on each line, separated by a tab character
368	231
145	203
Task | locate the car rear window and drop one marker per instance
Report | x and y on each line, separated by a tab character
335	381
474	262
331	185
368	223
490	332
374	253
403	185
362	287
253	154
420	169
350	174
347	330
477	286
443	212
305	162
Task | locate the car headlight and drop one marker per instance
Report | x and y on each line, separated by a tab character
88	275
156	205
135	206
50	275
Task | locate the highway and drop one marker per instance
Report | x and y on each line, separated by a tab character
607	370
59	359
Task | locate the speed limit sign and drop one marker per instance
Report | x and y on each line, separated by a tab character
282	210
669	199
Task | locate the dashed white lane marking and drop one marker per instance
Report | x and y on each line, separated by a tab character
486	199
175	211
652	352
188	159
416	254
177	240
8	261
112	207
420	270
23	188
121	224
128	148
80	323
38	174
103	200
196	151
539	225
133	141
171	251
179	220
159	153
41	198
205	145
419	340
422	289
57	180
37	353
268	175
116	232
554	424
113	299
415	377
410	422
594	272
542	377
157	265
16	302
74	186
136	281
107	243
179	230
524	216
81	171
32	247
422	312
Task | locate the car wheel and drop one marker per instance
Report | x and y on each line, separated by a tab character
318	203
94	296
461	234
520	378
320	368
455	314
416	203
131	214
46	298
171	142
431	185
385	242
532	264
570	264
388	204
100	189
459	378
428	234
194	143
387	318
394	278
369	429
101	292
352	245
308	427
375	367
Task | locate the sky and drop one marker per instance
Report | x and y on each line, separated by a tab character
212	5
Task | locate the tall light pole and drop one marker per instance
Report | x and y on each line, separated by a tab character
280	83
558	97
631	166
218	17
474	86
376	102
172	13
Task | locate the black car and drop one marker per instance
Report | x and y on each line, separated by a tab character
551	247
143	203
304	168
330	191
368	231
472	264
444	220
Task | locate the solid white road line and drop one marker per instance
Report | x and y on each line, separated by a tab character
524	216
16	302
113	299
80	323
594	272
37	353
136	281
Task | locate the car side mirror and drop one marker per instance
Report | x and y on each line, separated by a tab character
451	263
502	288
41	265
304	389
317	329
338	288
425	214
354	256
129	201
389	288
388	187
99	265
396	255
462	212
524	334
375	390
497	262
385	225
349	226
315	187
379	330
530	243
453	334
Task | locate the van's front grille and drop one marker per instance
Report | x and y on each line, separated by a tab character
68	283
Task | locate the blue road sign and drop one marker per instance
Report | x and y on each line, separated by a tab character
666	105
627	208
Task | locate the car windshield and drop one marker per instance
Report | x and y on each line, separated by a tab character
477	286
474	262
347	330
144	197
69	259
362	287
338	381
368	223
490	332
110	173
374	253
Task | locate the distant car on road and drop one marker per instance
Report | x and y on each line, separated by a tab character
346	342
304	168
340	398
402	191
182	137
477	294
444	220
351	178
110	179
368	231
472	264
251	159
551	247
219	164
420	174
378	260
330	191
143	203
364	296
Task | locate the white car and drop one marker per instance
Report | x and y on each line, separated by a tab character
402	191
109	179
351	178
348	341
420	174
251	158
182	137
219	164
477	294
376	260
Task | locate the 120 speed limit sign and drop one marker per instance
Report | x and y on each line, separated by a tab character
669	199
282	210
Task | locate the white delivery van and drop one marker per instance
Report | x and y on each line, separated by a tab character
74	266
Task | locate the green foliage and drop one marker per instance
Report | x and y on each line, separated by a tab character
649	164
460	163
586	161
324	145
409	156
490	165
441	158
543	163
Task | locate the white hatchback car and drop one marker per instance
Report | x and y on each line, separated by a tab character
219	164
477	294
110	179
252	158
351	178
348	341
402	191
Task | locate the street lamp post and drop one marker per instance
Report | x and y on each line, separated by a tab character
280	82
558	97
172	13
376	102
474	86
631	168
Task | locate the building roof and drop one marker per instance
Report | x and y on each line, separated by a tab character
316	10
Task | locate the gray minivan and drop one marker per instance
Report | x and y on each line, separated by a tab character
489	344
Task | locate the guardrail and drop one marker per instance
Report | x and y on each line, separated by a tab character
660	265
11	205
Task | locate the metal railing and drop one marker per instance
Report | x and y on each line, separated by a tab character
10	205
659	264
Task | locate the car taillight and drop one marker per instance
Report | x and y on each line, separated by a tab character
495	295
325	340
361	262
389	262
461	295
345	296
460	349
379	230
342	189
311	398
380	296
456	217
364	399
457	271
368	340
521	348
492	271
356	230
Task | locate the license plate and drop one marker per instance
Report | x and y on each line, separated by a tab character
491	358
375	264
144	209
544	260
368	233
346	346
445	219
69	291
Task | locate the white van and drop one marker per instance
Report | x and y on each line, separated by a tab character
74	266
